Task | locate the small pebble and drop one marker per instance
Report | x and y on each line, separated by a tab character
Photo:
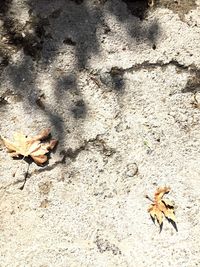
132	169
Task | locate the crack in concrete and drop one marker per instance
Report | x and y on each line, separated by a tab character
73	154
193	83
152	65
69	153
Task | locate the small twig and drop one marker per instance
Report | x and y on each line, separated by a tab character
25	177
195	98
96	81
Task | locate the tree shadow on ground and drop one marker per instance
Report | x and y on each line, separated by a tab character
55	28
138	27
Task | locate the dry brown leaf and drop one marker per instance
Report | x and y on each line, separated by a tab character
30	146
162	206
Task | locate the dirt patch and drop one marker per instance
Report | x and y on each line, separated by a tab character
181	7
44	204
193	83
44	188
105	246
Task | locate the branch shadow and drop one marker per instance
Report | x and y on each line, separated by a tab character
56	28
135	19
138	8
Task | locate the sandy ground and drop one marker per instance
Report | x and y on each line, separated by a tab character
119	85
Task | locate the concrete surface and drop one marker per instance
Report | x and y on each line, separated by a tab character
122	95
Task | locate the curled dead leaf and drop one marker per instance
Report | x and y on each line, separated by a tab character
162	206
31	146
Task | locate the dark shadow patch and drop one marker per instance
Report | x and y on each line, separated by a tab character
4	59
80	30
193	84
87	43
117	78
79	110
22	74
56	13
40	103
4	49
138	8
57	122
71	154
114	80
66	82
3	101
27	37
148	33
140	30
153	32
4	6
69	41
49	168
78	2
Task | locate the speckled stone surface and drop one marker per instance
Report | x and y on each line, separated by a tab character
122	94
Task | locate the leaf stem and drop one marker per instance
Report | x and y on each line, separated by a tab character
149	198
25	177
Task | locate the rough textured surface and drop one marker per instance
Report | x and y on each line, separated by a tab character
122	94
